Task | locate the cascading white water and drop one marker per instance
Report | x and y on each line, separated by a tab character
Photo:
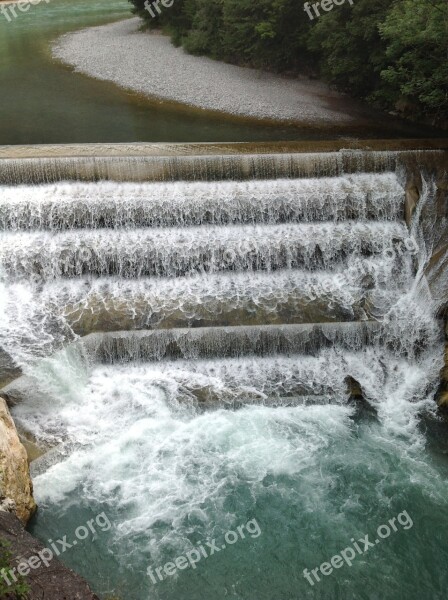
204	254
73	206
72	230
224	322
176	252
206	167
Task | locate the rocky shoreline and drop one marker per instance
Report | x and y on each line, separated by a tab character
18	548
16	488
52	581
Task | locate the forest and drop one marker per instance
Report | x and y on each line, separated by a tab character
393	54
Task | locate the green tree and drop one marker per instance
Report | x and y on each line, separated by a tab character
394	53
266	33
348	45
416	78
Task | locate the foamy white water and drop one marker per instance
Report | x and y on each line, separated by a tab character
230	323
96	205
177	252
170	475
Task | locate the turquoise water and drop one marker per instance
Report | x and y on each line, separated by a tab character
171	477
43	101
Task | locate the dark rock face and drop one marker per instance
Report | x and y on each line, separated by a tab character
52	582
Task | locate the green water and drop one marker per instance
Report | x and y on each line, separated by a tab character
315	479
42	101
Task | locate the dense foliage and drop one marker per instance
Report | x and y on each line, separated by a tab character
392	52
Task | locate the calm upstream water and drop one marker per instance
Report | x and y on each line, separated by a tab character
190	430
42	101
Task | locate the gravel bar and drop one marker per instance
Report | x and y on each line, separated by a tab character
150	64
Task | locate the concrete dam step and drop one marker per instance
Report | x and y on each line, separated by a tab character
270	380
221	299
187	251
200	166
66	206
239	341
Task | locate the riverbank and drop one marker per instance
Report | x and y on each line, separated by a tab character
113	53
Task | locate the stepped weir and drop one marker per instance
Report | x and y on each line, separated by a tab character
200	253
198	335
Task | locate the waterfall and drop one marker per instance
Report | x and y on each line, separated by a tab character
92	206
187	168
264	255
207	167
201	337
182	252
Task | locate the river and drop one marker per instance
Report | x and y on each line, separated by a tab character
43	101
213	395
215	431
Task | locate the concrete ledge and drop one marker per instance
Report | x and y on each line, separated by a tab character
207	162
208	149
